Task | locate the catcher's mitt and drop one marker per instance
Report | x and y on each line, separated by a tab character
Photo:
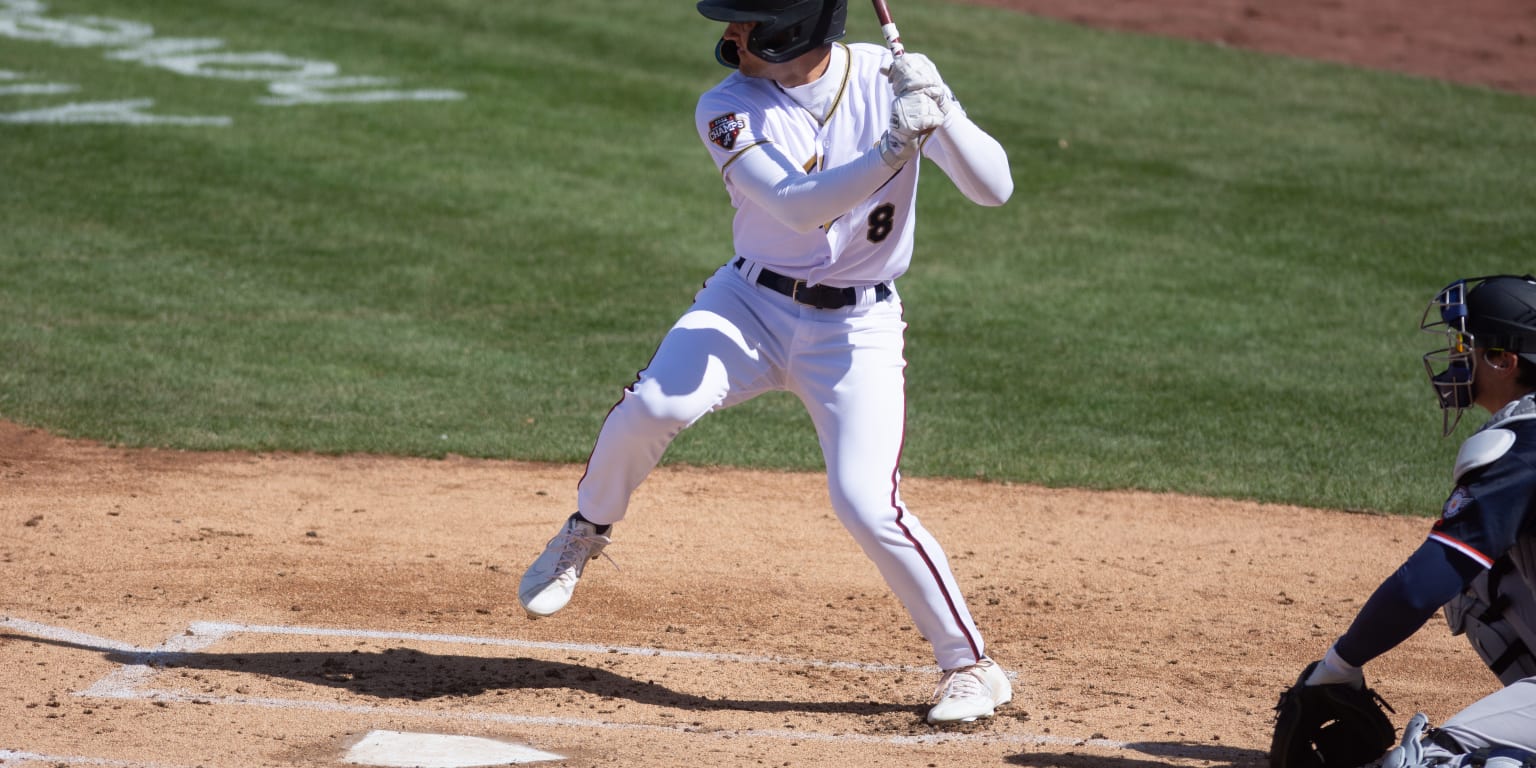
1329	726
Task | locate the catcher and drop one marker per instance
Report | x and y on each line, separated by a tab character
1479	563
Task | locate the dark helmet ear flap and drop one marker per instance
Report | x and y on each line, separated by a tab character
727	55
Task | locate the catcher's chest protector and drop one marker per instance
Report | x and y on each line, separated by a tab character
1498	615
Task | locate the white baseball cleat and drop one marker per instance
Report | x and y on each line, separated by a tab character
966	693
548	583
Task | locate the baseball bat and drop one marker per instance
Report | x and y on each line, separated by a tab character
888	28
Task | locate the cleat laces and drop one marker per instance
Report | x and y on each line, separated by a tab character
574	554
963	683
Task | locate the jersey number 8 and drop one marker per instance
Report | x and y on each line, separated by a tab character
881	222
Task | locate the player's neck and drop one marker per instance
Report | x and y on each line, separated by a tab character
1494	399
805	69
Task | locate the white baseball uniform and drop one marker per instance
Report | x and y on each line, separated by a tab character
821	216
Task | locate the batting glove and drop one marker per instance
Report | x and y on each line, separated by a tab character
914	73
912	116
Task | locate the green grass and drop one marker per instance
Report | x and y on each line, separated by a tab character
1209	278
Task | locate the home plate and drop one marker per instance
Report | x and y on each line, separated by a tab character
434	750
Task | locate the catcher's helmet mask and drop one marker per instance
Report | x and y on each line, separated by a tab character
1489	313
784	29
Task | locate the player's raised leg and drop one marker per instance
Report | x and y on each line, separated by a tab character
713	357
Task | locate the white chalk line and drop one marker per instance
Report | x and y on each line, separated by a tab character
12	755
213	627
576	722
50	632
202	634
129	681
131	674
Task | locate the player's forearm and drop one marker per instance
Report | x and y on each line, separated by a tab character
972	159
803	201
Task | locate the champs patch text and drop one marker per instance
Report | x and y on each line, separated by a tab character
724	129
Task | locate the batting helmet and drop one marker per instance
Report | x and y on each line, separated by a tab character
1494	312
785	28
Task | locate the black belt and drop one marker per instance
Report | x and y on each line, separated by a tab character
818	296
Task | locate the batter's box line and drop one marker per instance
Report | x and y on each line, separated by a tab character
131	682
581	723
222	628
8	756
200	635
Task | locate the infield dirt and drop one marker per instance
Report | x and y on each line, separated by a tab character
1145	630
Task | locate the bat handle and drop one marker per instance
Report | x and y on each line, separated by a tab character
893	38
888	28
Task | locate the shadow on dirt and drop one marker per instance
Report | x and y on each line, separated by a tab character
1174	753
408	674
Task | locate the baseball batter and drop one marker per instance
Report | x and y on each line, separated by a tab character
817	143
1480	558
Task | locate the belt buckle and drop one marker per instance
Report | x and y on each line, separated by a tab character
794	292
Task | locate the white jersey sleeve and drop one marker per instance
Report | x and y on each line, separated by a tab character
805	201
813	198
971	158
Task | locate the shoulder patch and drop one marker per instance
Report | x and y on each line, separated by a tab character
1482	449
1458	501
724	129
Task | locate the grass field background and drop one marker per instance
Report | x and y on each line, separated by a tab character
1209	278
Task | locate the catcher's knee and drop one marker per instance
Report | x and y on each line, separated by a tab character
1493	757
1441	746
